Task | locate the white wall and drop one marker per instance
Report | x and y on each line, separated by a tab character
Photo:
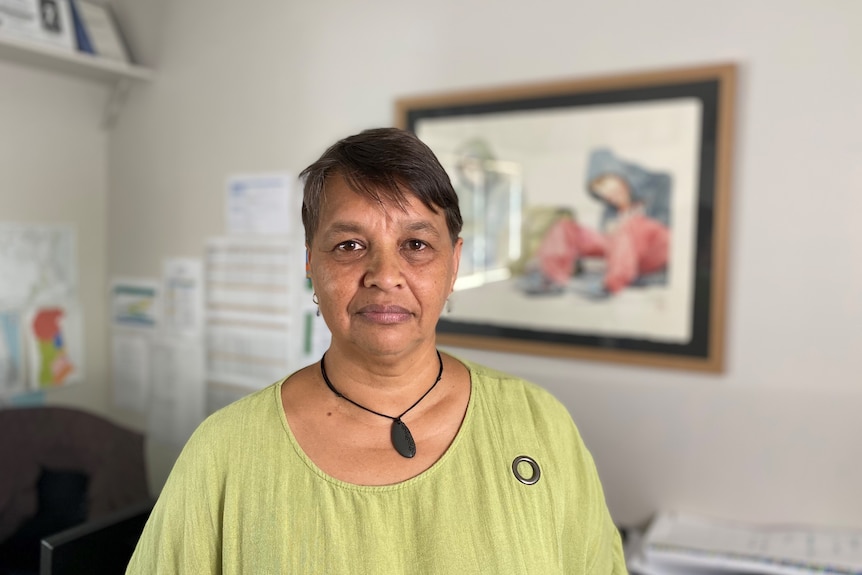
53	170
267	85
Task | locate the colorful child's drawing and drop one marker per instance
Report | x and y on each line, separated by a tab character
54	366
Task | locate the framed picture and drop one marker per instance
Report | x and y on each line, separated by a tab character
595	214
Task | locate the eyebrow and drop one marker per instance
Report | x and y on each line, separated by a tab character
423	226
342	228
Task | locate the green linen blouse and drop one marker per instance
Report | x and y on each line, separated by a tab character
244	498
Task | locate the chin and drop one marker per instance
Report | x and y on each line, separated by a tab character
395	344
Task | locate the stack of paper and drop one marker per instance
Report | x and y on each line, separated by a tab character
678	543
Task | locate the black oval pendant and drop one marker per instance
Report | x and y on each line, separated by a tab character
402	439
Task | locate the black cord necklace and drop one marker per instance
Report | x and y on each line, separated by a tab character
402	439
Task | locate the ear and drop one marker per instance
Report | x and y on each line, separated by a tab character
456	262
307	262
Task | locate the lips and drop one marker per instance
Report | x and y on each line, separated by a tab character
386	314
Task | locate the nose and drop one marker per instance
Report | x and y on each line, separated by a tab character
384	270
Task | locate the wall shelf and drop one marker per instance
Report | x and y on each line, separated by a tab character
74	63
118	75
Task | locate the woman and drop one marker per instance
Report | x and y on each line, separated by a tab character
387	456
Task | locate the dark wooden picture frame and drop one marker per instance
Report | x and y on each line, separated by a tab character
595	214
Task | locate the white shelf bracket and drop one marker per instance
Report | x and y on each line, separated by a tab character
116	99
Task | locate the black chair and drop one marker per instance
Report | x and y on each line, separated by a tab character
101	546
61	467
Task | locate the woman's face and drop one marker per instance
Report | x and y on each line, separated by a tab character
614	190
381	274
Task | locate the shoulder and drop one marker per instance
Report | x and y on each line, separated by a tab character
229	435
233	425
522	418
509	392
523	413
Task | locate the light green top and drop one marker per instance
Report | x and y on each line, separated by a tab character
244	498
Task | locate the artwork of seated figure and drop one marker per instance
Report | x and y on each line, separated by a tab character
632	238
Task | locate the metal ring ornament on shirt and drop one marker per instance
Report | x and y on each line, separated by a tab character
537	472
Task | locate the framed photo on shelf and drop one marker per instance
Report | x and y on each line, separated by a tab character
45	22
595	214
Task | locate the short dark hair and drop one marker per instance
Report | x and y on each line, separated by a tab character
385	164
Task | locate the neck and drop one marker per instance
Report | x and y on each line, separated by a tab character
387	382
400	434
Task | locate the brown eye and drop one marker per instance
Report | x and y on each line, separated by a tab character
348	246
415	245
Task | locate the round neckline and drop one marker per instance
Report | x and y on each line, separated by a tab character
466	424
